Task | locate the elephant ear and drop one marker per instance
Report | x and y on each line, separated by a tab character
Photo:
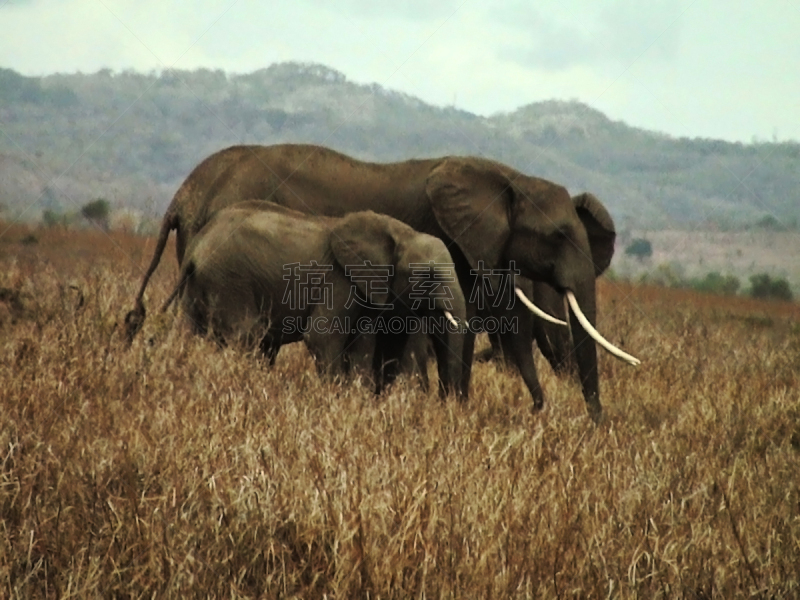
362	238
600	228
471	201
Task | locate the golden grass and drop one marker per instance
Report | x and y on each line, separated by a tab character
177	469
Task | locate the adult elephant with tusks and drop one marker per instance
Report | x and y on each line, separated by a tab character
490	216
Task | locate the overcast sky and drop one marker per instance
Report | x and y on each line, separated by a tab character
709	68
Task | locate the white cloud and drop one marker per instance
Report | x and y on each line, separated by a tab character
561	36
414	10
703	68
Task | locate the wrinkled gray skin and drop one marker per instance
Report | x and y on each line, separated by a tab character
487	213
553	341
233	282
413	362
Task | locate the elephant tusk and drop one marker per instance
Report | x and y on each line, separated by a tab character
536	310
573	302
450	318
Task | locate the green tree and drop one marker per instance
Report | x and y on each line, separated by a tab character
641	248
763	286
97	212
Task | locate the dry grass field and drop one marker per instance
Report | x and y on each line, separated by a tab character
176	469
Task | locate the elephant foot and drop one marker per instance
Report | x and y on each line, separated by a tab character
133	322
566	368
538	405
451	392
488	355
596	412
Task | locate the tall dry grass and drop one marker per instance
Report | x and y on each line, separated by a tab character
178	469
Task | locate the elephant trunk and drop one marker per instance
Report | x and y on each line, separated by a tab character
449	344
585	349
622	355
581	296
536	310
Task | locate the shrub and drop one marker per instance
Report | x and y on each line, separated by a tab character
52	218
763	286
715	283
770	223
665	275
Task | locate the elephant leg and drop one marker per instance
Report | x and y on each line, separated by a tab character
521	353
329	349
195	308
389	348
466	368
444	358
270	345
555	344
415	358
494	352
359	353
518	343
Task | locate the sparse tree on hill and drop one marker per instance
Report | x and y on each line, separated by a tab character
97	212
641	248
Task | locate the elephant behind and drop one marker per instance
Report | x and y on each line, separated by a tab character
265	274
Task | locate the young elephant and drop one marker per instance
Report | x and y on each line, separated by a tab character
259	267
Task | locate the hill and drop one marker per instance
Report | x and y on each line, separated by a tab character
132	138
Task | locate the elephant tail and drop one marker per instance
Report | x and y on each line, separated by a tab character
135	318
187	272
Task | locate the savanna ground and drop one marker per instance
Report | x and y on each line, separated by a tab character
178	469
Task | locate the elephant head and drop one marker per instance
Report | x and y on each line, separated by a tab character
422	283
498	216
553	341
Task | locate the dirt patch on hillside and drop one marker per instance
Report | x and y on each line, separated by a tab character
696	253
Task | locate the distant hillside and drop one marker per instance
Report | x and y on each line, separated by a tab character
133	137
